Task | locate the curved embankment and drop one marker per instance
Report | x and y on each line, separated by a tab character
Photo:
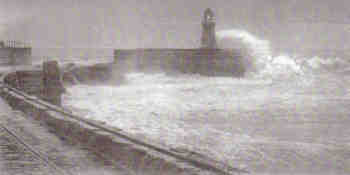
22	89
91	74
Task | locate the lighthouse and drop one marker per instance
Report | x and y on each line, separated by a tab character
208	40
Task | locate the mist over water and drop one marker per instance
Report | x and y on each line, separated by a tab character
285	105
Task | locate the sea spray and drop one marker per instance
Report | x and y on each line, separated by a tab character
268	63
239	121
260	53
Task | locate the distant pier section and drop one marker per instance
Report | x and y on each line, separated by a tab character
208	59
15	53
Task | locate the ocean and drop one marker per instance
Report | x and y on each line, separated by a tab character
288	115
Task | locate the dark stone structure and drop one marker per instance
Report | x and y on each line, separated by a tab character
52	85
14	53
207	60
208	39
43	83
210	62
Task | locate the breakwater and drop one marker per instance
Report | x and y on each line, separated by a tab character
210	62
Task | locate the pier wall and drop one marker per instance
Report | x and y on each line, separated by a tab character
210	62
15	56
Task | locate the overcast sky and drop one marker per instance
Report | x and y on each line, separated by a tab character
289	24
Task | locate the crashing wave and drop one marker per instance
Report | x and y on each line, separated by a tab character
264	64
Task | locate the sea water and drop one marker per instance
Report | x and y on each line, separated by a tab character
289	115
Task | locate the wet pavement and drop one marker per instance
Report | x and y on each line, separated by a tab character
27	147
16	159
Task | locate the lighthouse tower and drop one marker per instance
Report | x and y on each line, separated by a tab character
208	40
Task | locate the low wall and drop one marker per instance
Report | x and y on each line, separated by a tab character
138	158
211	62
29	81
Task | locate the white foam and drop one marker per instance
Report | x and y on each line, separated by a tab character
265	64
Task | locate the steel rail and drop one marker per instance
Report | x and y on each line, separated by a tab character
35	153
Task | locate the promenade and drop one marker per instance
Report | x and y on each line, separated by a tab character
27	147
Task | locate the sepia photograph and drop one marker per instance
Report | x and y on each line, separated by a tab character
174	87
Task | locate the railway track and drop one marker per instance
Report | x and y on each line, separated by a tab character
211	165
21	158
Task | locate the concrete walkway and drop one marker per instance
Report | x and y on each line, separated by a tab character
72	159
